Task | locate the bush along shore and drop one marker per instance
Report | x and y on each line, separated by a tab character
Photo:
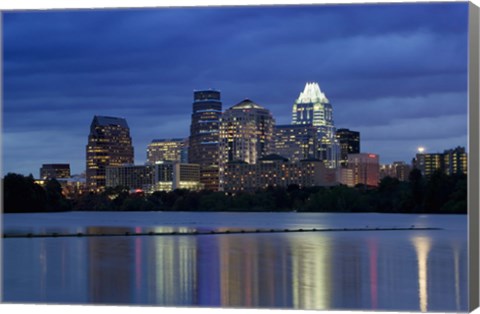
439	193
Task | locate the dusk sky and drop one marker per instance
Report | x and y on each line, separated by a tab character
395	72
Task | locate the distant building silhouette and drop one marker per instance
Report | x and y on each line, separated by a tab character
398	169
204	136
48	171
109	144
313	108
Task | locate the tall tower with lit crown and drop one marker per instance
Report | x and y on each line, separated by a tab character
312	107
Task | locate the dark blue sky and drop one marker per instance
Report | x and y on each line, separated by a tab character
395	72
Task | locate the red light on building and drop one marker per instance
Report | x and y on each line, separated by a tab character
372	156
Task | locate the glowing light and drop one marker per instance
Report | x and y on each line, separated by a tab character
312	94
421	150
422	247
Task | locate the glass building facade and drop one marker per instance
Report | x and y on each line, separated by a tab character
349	142
109	144
204	136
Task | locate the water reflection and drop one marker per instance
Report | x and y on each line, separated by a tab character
386	271
311	270
373	257
422	247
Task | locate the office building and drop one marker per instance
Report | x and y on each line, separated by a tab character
276	171
365	167
49	171
295	142
133	177
312	107
161	176
167	150
204	136
109	144
170	176
349	142
246	134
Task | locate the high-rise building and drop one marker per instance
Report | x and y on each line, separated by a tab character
166	150
204	136
56	171
312	107
295	142
246	134
366	168
109	144
349	142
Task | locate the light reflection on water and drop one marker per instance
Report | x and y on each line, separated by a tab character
422	247
337	270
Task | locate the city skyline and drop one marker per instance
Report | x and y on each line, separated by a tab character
393	82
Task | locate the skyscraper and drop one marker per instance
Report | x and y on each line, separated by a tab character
246	133
109	144
204	136
349	142
312	107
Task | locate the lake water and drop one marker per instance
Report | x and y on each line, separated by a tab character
411	270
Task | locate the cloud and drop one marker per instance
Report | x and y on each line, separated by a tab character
380	65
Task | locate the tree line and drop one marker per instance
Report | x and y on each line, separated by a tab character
438	193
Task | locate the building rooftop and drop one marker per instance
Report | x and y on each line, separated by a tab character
312	94
103	120
273	157
168	140
247	104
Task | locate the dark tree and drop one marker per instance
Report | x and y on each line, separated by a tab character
22	194
56	201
